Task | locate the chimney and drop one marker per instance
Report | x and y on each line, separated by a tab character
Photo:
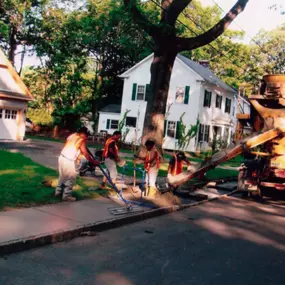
205	63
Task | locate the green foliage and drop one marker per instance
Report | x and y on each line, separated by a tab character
184	136
270	55
40	116
122	124
217	144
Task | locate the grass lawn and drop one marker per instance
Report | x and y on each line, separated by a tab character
25	183
216	173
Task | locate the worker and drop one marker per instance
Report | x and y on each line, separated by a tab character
175	167
74	146
111	156
151	158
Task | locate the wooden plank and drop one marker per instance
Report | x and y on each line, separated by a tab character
243	116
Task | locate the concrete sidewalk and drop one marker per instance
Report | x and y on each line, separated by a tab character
26	228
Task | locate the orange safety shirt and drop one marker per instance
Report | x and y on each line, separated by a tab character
177	167
148	158
106	151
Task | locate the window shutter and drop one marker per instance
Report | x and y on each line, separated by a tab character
108	124
165	126
134	92
178	130
205	99
147	90
210	98
186	95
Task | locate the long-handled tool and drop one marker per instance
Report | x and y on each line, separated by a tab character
129	207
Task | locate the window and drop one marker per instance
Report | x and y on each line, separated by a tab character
182	95
114	124
14	115
171	129
179	97
207	133
207	98
228	105
131	122
1	113
204	133
140	92
7	114
219	100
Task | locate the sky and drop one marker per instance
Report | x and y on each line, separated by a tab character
255	17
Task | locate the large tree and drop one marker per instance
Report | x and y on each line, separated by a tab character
167	44
270	51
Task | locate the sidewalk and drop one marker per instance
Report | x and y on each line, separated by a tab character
27	228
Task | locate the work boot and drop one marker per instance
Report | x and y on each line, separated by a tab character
57	194
152	192
69	199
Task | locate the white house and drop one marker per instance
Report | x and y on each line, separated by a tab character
14	97
194	90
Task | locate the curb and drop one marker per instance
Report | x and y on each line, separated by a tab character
18	245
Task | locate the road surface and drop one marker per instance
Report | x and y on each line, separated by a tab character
231	242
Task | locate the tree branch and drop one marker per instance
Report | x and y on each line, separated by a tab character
140	18
172	9
213	33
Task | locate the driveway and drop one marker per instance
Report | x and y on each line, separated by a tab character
40	151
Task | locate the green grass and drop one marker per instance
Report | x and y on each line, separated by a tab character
25	183
217	173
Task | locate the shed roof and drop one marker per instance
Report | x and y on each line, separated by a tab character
112	108
11	84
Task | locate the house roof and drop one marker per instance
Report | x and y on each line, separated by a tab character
205	73
202	71
112	108
11	84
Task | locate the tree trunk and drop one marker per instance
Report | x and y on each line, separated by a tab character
161	69
13	45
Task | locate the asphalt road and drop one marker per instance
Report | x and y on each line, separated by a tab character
224	242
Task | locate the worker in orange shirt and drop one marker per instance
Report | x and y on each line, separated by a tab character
175	167
111	156
74	147
151	159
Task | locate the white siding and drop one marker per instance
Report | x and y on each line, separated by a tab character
213	116
103	117
182	76
141	76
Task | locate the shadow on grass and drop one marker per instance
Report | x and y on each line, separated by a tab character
25	183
